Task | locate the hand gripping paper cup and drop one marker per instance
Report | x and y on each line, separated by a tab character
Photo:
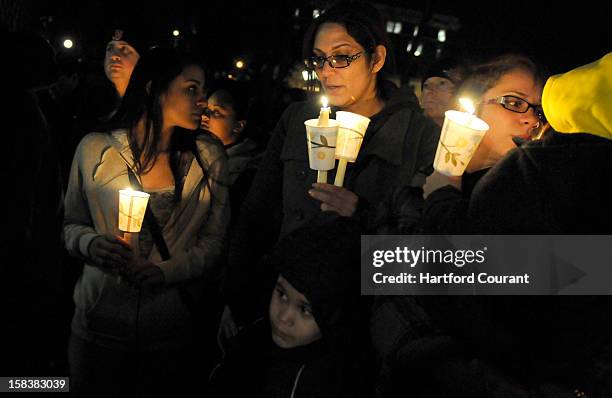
461	134
350	136
321	145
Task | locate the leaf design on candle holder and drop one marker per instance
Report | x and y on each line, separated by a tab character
323	144
451	156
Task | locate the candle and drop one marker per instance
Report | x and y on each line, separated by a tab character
323	122
324	113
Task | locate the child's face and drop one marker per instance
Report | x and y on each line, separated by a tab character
291	318
220	117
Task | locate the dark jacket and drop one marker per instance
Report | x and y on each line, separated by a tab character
554	186
445	209
255	367
243	159
398	150
502	346
491	346
523	346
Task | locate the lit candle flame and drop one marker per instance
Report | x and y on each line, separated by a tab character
468	105
324	101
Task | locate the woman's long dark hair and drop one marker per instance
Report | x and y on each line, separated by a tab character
150	80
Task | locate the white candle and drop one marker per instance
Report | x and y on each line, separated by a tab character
324	113
323	122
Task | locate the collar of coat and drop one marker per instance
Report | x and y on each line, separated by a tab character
387	129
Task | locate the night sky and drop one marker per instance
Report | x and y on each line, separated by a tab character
560	35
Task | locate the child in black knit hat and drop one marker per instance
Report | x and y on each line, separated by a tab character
307	348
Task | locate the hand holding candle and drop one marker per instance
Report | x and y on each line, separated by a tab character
109	252
333	198
461	134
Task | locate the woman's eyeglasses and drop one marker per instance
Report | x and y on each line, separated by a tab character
518	105
334	61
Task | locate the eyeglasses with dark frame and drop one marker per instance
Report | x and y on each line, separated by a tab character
518	105
334	61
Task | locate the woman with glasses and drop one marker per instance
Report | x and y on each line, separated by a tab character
348	49
507	91
494	346
578	107
532	346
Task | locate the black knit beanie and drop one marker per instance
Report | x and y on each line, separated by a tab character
322	261
139	38
444	68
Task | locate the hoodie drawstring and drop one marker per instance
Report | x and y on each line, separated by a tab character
297	378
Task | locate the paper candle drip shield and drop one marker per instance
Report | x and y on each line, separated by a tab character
321	144
132	207
461	134
350	134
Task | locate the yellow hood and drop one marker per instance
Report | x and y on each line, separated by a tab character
580	101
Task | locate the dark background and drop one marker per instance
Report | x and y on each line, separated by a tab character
562	35
267	36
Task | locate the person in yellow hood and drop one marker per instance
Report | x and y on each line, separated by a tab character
580	101
548	186
521	346
558	185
